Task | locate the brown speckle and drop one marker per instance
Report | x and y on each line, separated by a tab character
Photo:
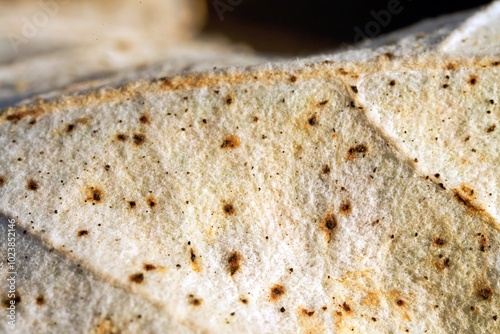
40	300
234	262
400	302
465	196
282	310
229	99
149	267
121	137
151	201
70	127
132	204
94	195
451	66
194	301
139	138
195	261
22	114
358	149
354	89
484	292
439	242
445	86
137	278
322	103
10	301
473	79
328	225
306	312
244	300
293	78
145	119
313	120
392	82
2	181
491	128
346	307
32	185
228	209
276	292
230	142
345	207
83	233
326	169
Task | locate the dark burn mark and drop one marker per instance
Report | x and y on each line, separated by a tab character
400	302
473	79
32	185
244	300
151	201
322	103
70	128
139	138
328	225
451	66
137	278
234	262
12	301
345	207
132	204
354	89
195	301
282	310
326	169
2	181
465	196
83	233
193	255
40	300
392	82
491	128
276	292
16	117
229	100
94	195
439	242
228	209
441	265
293	78
485	293
313	120
107	167
145	119
149	267
446	86
346	307
121	137
230	142
358	149
307	312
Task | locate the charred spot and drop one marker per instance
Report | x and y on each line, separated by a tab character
255	119
277	291
392	82
293	78
345	207
107	167
32	185
483	243
151	201
228	209
446	86
132	204
441	265
400	302
491	128
485	293
307	312
149	267
139	138
465	196
313	120
282	310
495	63
94	195
473	79
83	233
2	181
16	117
326	169
244	300
121	137
136	278
230	142
12	301
234	262
439	242
451	66
354	89
70	128
328	224
358	149
40	300
346	307
322	103
195	301
145	119
229	100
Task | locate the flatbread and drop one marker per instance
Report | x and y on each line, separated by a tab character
284	197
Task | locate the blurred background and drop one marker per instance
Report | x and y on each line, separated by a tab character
302	27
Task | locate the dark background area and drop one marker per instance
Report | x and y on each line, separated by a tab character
301	27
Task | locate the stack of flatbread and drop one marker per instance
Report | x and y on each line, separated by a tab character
167	183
